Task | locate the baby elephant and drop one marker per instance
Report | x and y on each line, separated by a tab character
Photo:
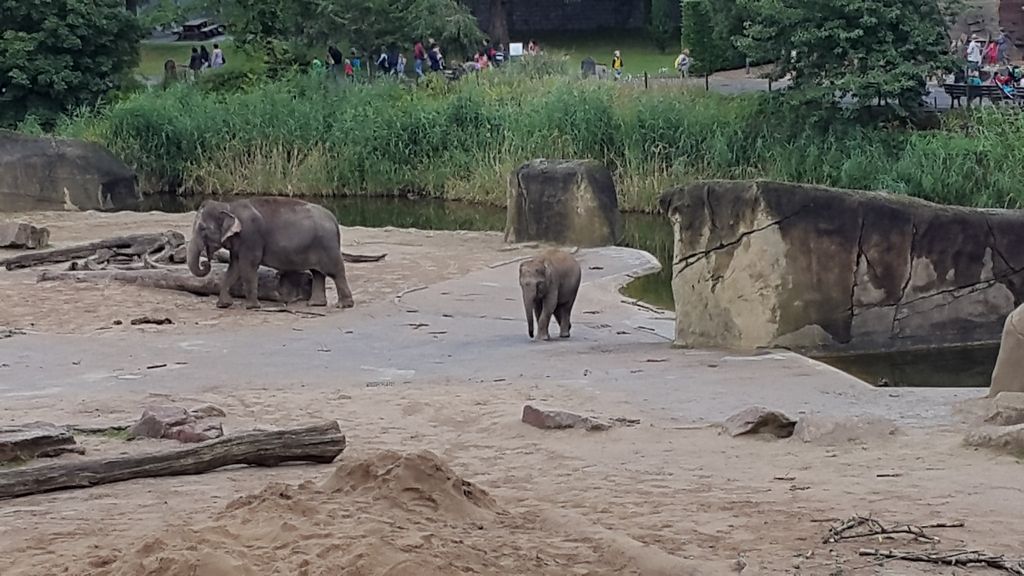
550	282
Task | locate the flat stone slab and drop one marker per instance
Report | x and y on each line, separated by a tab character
560	420
36	440
835	430
1000	438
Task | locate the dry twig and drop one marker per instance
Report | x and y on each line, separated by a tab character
951	558
875	528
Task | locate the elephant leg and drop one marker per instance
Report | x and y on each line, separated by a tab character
229	279
250	282
319	294
562	315
341	283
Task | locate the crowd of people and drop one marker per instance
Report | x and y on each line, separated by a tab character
202	59
426	57
988	62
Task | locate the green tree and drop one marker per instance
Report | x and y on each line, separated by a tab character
56	55
871	50
663	27
709	29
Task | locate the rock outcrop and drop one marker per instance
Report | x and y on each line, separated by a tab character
38	173
824	270
568	202
36	440
23	235
1008	375
759	420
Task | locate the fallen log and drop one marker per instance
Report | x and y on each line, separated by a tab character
272	287
134	244
317	443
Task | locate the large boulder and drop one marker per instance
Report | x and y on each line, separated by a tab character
1008	375
815	269
40	173
568	202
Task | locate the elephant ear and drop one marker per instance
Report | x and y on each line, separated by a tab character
230	227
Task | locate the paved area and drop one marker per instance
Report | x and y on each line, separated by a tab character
470	329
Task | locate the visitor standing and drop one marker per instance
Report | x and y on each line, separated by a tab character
399	68
683	63
357	61
617	64
499	55
419	55
195	63
204	55
336	60
436	58
350	72
217	58
1002	48
974	53
382	60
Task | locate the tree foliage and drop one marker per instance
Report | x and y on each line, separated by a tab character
663	26
267	25
871	50
56	55
709	31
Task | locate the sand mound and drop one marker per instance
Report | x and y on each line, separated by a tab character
388	514
415	482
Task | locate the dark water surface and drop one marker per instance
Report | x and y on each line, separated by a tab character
945	367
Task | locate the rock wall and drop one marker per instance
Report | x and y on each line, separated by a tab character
568	202
529	16
54	174
825	270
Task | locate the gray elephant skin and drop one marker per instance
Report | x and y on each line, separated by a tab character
285	234
550	282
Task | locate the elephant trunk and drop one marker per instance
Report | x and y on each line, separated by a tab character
528	304
197	268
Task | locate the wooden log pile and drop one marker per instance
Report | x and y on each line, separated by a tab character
318	443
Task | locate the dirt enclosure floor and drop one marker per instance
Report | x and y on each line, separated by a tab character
440	477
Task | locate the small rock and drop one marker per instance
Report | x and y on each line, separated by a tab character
23	235
192	433
1003	438
560	420
827	430
151	320
760	420
207	411
159	422
1007	409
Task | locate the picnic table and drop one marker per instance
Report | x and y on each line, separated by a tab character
990	92
200	29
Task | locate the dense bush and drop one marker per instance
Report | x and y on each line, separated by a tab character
461	140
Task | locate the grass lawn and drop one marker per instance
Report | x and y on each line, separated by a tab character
152	55
638	53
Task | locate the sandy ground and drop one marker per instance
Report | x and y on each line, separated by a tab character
414	258
657	498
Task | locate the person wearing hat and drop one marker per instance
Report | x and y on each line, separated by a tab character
974	53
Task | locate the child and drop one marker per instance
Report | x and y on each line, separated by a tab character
350	72
617	64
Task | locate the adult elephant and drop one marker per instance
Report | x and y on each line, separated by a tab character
285	234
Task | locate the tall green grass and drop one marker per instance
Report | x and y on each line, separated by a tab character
461	140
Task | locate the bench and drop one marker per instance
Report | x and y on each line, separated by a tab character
991	92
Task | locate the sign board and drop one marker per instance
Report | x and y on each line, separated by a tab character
515	49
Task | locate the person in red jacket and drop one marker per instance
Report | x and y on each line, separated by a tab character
419	54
